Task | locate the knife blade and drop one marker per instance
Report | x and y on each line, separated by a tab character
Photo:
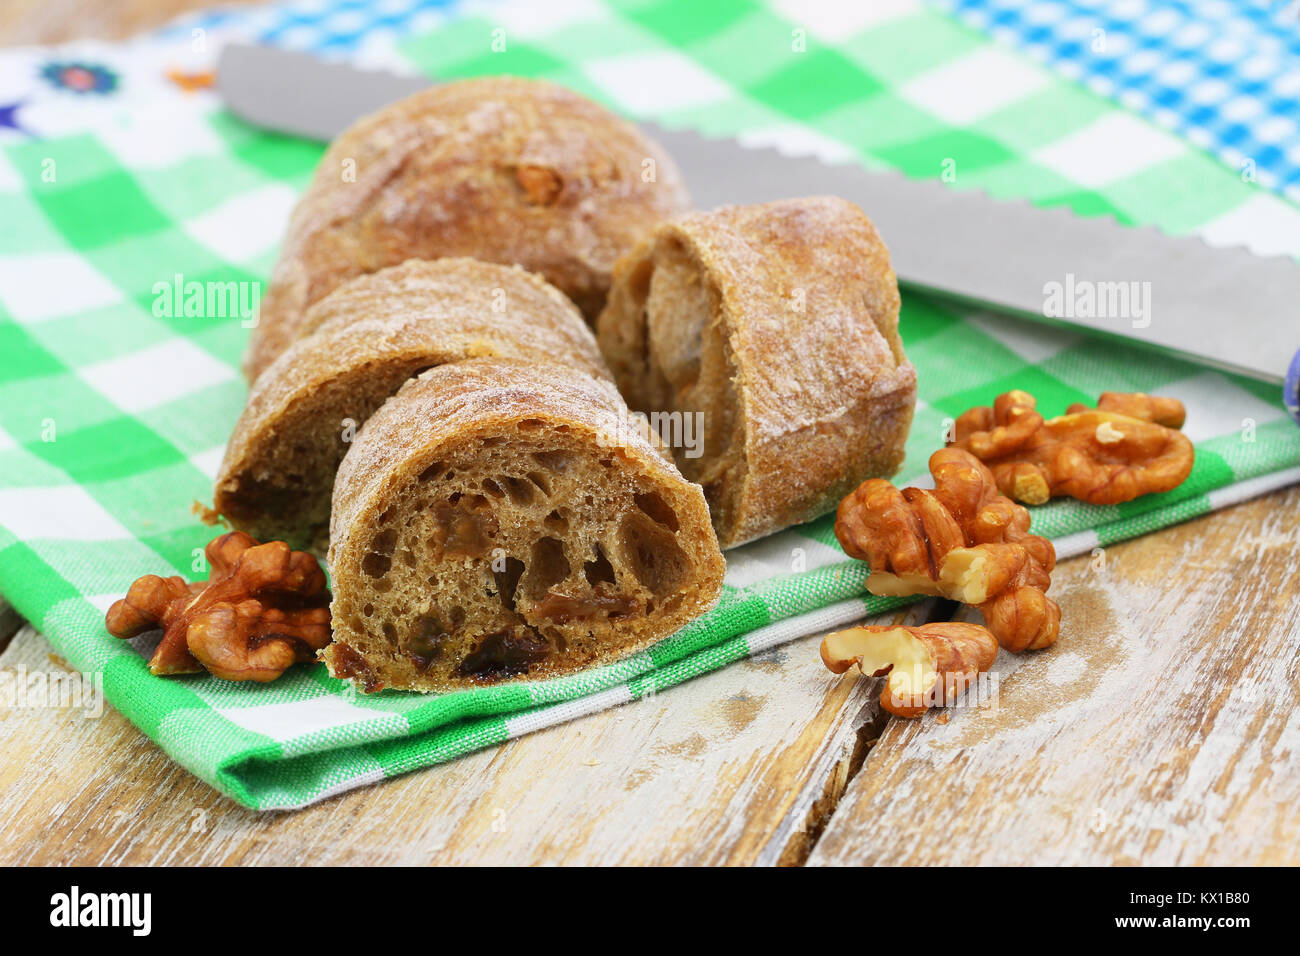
1227	308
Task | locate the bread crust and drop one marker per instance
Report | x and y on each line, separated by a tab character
451	411
363	341
502	169
779	322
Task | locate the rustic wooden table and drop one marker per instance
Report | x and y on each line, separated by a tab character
1163	728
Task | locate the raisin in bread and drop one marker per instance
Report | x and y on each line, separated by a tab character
776	325
503	169
498	518
367	338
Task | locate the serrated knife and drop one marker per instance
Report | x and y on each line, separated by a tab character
1227	308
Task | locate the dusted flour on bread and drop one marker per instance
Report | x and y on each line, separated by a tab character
777	324
499	519
502	169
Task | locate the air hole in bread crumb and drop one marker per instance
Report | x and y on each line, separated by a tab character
376	565
433	471
492	488
541	481
654	505
598	569
652	551
520	491
507	581
548	567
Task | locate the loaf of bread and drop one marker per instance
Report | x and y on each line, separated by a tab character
502	169
498	518
774	329
365	339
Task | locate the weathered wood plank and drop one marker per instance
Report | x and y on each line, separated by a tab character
729	768
1163	728
10	621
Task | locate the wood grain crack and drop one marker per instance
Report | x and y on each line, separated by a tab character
871	722
10	622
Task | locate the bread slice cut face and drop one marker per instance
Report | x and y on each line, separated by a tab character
499	519
768	334
367	338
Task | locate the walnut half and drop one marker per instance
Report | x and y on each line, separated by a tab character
263	608
927	666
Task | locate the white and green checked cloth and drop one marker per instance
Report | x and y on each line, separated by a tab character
113	412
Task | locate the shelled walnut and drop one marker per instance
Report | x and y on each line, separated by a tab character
1126	447
927	666
262	608
963	541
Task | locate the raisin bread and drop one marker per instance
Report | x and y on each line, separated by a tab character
502	519
503	169
367	338
774	326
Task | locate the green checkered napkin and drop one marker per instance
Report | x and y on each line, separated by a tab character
113	413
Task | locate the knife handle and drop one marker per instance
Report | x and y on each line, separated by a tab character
1291	390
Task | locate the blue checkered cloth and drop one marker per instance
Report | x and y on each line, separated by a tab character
1223	73
329	28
